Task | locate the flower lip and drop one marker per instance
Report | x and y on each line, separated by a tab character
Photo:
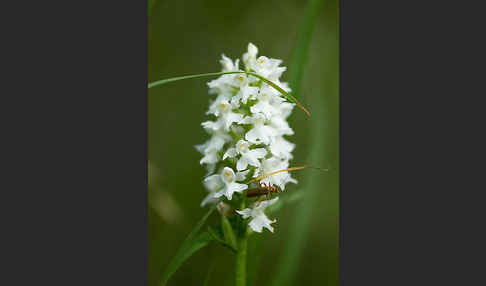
242	146
228	175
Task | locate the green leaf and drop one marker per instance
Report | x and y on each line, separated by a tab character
217	237
199	242
228	233
285	94
198	226
188	248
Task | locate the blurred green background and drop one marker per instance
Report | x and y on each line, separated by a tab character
188	37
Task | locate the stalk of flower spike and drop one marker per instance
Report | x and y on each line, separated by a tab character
241	254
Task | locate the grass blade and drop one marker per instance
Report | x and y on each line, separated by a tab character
188	248
164	81
192	247
285	94
198	226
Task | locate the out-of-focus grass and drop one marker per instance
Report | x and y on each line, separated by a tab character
291	252
301	53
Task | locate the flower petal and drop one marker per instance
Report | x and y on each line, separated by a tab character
245	213
231	152
242	163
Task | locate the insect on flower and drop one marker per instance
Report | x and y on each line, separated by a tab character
263	189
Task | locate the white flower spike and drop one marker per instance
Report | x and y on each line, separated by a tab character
247	129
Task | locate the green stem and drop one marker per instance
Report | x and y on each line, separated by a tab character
240	275
240	263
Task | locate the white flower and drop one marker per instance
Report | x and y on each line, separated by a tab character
247	156
213	184
284	109
259	219
280	126
223	109
229	178
264	105
210	157
246	92
282	148
269	68
210	153
228	65
222	85
279	122
260	133
272	165
249	58
215	143
211	147
225	83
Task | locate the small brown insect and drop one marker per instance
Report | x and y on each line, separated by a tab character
262	189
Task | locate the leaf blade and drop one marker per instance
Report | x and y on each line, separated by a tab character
188	248
199	242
